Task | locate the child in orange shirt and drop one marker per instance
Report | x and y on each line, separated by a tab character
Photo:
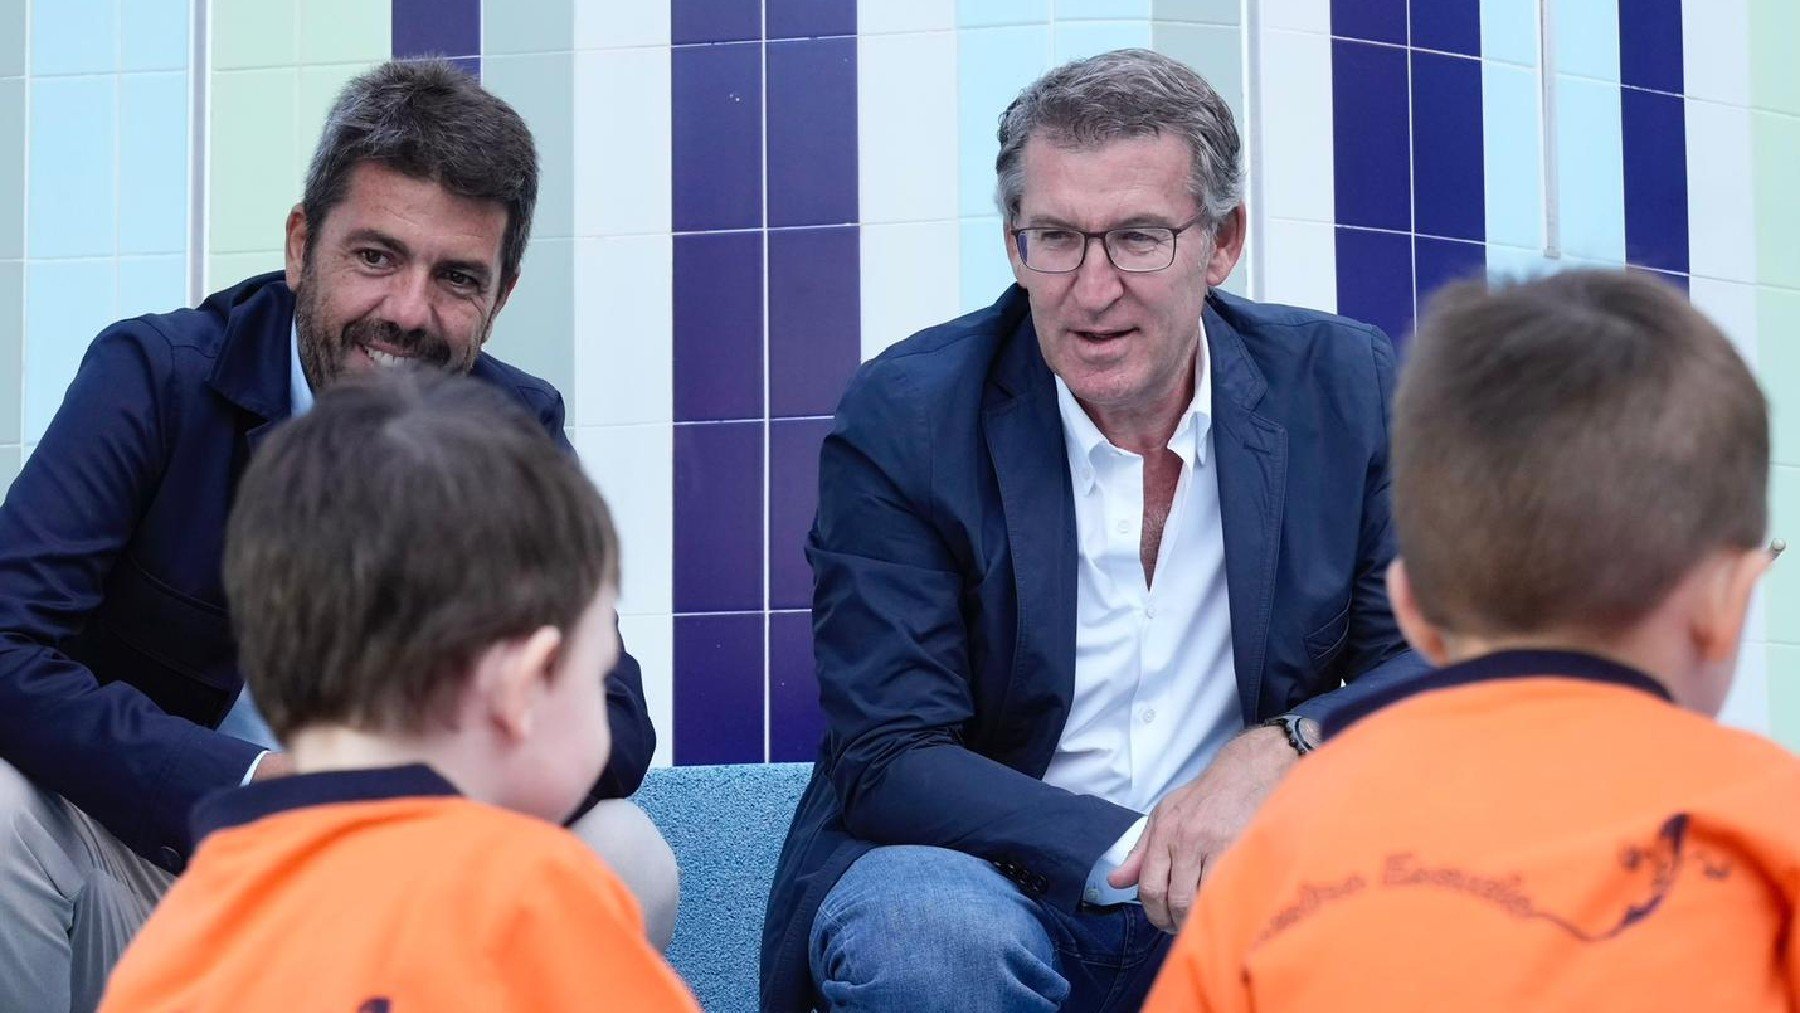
423	588
1552	821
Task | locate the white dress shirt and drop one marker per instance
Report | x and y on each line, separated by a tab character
1155	688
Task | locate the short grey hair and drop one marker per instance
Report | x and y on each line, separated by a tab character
429	120
1124	94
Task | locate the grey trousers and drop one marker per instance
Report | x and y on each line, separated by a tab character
72	896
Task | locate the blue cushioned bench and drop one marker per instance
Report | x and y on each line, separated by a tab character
726	825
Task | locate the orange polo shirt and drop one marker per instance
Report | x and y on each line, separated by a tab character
383	890
1527	831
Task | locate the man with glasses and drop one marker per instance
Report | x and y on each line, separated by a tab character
1089	565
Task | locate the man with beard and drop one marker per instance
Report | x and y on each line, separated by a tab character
119	688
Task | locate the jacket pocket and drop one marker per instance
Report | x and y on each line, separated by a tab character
181	632
1324	644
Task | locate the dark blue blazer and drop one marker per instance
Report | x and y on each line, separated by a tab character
117	659
944	559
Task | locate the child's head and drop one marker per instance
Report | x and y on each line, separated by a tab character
1579	460
416	560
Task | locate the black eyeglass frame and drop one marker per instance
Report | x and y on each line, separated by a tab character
1087	240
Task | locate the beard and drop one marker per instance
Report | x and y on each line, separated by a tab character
325	348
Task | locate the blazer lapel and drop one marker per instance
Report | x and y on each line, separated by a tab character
1025	441
254	368
1252	456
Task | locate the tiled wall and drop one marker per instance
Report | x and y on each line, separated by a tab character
742	199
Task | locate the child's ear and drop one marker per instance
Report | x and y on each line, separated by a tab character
512	678
1419	632
1719	626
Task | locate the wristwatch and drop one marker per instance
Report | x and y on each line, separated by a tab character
1302	733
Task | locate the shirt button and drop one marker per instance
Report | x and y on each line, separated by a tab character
1124	527
1149	611
1092	896
1147	715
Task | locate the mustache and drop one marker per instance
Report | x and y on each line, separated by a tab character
420	343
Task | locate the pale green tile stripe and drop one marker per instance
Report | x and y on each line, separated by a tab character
276	66
1784	694
1775	146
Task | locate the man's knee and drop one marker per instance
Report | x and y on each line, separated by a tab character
910	921
622	835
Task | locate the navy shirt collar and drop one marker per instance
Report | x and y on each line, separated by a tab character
1492	668
254	801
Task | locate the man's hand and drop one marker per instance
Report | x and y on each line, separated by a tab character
1190	827
273	765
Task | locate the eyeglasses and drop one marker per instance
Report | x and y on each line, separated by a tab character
1139	249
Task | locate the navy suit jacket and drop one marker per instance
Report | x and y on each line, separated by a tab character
117	658
944	559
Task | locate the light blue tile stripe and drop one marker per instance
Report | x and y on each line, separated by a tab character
73	158
74	37
1511	162
986	13
1509	30
993	65
67	302
1587	38
154	154
1590	177
985	270
1072	40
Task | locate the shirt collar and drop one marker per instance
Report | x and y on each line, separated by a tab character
300	394
1534	664
1086	443
237	806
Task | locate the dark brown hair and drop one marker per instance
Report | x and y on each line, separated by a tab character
1567	449
428	120
382	541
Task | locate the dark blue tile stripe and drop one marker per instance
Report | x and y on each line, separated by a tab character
438	28
1447	26
1650	46
1371	20
1449	188
1375	280
1370	141
1656	209
1441	261
718	689
774	79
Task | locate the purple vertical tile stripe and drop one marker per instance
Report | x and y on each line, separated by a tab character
719	689
1441	261
1370	142
805	19
1373	20
1654	126
716	97
1650	46
718	317
815	318
1375	280
796	721
793	499
438	28
812	131
1448	176
714	21
719	517
1447	26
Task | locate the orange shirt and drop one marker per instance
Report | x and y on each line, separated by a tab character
1533	831
365	891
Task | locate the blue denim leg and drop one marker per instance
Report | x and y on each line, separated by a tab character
924	929
1110	956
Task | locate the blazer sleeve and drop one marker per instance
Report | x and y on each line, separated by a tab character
894	666
70	513
1376	655
628	716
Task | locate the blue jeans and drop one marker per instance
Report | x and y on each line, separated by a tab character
921	929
